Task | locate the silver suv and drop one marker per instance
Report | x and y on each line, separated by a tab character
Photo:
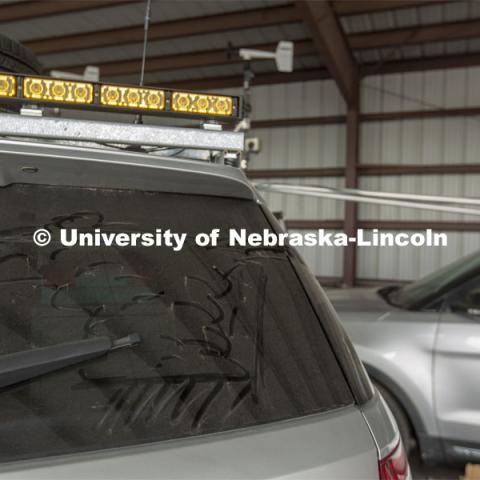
239	367
420	343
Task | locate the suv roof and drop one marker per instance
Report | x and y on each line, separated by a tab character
41	163
27	159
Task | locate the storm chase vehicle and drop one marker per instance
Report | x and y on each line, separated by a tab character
139	362
420	343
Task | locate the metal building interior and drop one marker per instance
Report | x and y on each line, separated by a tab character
384	96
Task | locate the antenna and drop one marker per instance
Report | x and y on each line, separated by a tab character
146	25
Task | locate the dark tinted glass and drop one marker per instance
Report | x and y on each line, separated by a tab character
229	336
440	281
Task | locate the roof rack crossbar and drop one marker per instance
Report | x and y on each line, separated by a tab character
119	133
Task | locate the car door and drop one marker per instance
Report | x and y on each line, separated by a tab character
457	369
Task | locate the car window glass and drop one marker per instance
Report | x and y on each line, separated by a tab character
468	298
425	289
229	337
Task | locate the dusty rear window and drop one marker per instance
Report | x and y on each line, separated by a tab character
229	337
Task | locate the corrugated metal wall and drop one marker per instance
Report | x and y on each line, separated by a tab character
414	141
303	147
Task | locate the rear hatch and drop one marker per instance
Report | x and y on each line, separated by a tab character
234	368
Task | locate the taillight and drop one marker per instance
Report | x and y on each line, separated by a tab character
395	465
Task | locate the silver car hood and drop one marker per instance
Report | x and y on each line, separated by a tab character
359	300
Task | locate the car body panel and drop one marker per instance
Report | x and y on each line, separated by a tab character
457	377
381	422
44	163
331	445
393	343
428	360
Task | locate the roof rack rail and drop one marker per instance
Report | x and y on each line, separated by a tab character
103	132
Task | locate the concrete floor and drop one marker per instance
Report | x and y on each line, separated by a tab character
422	472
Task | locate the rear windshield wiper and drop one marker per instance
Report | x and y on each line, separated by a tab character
25	365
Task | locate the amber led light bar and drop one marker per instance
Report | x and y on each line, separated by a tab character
122	98
8	86
200	103
57	90
132	97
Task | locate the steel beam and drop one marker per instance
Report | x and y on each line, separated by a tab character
304	47
13	12
377	68
314	224
184	27
421	64
421	225
415	35
364	169
451	169
299	122
369	40
357	7
183	60
420	114
386	225
351	181
331	44
233	81
397	66
297	172
369	117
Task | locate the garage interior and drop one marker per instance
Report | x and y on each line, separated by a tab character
384	96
